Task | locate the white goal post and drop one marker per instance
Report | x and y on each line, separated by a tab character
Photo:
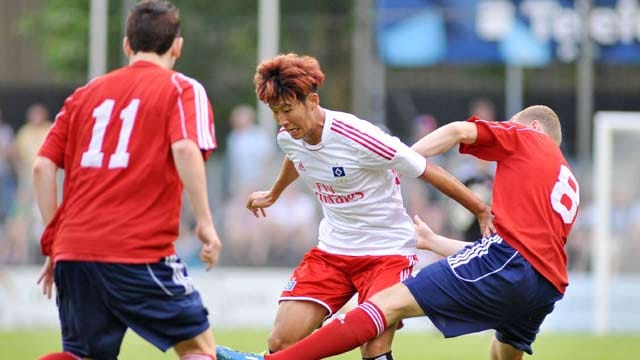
606	123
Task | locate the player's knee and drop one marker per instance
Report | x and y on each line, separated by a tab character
396	303
277	342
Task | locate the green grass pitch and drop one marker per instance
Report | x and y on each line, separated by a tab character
28	345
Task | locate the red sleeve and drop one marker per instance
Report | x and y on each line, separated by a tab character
495	141
56	141
192	115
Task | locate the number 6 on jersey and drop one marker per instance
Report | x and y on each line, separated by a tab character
94	156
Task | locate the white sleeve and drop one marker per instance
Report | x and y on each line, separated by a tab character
408	162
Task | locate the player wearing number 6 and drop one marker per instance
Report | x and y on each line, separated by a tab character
508	281
129	142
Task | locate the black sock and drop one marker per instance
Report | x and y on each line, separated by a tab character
385	356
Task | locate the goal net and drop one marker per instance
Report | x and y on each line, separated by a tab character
615	213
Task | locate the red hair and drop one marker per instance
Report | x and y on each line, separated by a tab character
287	78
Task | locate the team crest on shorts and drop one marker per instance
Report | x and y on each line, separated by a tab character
290	285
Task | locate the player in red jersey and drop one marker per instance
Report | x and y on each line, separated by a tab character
129	142
508	281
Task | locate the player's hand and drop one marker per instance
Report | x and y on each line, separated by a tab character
258	201
211	245
426	236
485	219
45	279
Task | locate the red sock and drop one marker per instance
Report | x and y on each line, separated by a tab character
59	356
341	335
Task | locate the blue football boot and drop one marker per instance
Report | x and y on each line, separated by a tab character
225	353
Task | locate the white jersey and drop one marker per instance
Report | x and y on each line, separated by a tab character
353	172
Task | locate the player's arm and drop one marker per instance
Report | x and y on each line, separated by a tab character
45	187
446	137
453	188
259	200
46	193
190	165
288	174
428	240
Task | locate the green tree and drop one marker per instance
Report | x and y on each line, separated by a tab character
221	43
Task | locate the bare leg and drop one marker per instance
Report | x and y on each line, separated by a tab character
295	320
502	351
204	343
397	303
379	345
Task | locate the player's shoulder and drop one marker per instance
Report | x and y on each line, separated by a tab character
87	90
516	132
345	118
509	126
346	127
183	82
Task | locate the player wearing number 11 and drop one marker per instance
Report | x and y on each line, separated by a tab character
129	143
509	281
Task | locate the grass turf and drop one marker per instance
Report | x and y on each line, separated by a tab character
29	344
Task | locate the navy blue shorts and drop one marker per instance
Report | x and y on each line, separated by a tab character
486	285
97	302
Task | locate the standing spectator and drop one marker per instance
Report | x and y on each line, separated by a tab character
29	138
25	225
129	142
10	248
366	239
249	152
7	180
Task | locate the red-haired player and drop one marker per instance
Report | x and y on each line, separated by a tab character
366	239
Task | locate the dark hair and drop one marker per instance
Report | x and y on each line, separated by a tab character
287	78
152	25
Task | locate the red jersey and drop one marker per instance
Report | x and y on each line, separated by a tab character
535	195
122	193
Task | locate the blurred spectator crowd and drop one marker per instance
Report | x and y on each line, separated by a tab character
251	161
20	223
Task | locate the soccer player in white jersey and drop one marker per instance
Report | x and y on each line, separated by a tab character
366	240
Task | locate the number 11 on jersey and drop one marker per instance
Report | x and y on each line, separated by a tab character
94	156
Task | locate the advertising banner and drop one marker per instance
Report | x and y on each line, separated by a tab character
520	32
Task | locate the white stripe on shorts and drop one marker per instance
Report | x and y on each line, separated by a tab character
477	250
